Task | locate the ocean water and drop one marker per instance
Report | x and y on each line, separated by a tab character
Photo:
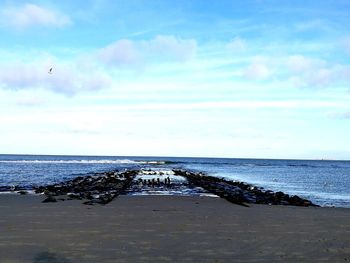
326	183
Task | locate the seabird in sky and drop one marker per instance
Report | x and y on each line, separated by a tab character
50	71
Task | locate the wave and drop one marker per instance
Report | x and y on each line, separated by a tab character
305	165
106	161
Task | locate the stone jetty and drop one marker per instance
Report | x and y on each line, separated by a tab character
241	193
102	188
99	188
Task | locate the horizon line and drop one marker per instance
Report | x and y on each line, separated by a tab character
190	157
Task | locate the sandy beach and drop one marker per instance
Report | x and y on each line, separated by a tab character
169	229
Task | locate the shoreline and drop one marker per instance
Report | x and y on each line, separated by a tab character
168	229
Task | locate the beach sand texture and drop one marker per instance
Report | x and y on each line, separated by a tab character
169	229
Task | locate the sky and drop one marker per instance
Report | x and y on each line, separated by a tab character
201	78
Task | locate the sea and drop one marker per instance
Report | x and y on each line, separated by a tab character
324	182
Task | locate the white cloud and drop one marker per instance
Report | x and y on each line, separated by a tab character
345	73
340	115
32	15
66	79
128	53
321	77
315	73
30	101
346	44
299	71
257	71
298	63
309	71
121	53
236	45
170	47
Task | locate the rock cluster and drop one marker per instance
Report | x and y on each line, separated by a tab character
241	193
99	188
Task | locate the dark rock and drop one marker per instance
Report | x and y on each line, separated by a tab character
50	199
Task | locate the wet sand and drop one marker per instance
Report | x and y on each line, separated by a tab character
169	229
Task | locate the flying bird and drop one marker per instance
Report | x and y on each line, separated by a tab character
50	71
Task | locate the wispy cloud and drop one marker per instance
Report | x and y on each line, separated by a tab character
222	105
126	52
312	25
28	15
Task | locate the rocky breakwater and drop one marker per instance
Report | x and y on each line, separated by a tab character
99	188
241	193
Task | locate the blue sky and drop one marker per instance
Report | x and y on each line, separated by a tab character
255	79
